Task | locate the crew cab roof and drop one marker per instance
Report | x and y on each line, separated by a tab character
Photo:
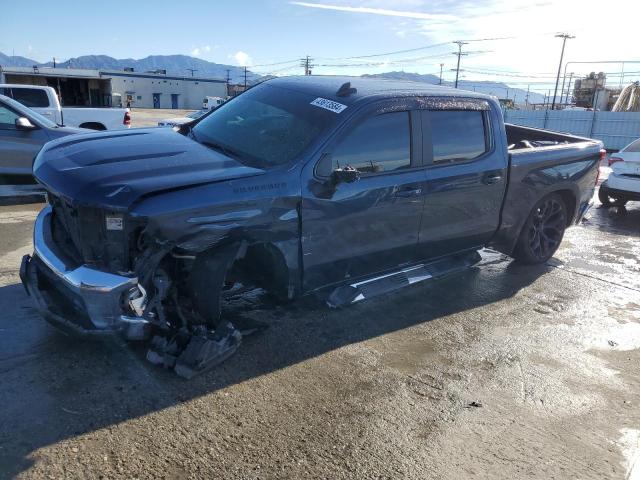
368	88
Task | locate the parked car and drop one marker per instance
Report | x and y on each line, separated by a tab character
345	188
22	134
211	103
44	100
172	122
623	183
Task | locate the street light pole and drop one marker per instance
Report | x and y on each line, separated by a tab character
565	37
441	65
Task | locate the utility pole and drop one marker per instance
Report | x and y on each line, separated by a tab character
526	99
192	70
564	37
459	54
306	64
566	98
54	62
228	71
441	65
245	78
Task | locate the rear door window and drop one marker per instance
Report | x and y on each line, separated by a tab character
458	136
30	97
633	147
380	144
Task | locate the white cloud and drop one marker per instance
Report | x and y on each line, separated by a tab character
528	49
198	51
378	11
243	59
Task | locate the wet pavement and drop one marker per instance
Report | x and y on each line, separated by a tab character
504	371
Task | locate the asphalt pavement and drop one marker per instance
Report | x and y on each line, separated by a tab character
501	372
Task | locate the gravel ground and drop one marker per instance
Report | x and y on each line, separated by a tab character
501	372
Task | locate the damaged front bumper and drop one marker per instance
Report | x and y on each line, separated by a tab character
78	299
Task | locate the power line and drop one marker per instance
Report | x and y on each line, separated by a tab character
274	64
388	62
435	45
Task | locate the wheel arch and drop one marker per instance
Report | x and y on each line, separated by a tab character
505	239
570	201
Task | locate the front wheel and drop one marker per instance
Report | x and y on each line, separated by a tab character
543	231
609	200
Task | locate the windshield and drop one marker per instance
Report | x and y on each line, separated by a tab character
197	114
41	120
264	127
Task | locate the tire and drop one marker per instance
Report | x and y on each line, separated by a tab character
207	281
608	200
542	232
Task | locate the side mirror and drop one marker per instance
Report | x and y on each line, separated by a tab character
23	123
345	175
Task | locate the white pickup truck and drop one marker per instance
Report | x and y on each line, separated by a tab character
44	100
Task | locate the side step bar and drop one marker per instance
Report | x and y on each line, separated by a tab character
372	287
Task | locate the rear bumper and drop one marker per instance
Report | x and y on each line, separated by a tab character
627	186
617	193
77	299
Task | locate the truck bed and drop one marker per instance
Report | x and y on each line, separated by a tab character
526	138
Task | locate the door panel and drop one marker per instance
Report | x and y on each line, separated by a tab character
17	147
351	230
466	181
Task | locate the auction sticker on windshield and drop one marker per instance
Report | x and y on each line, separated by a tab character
335	107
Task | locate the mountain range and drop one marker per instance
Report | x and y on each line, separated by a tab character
173	64
498	89
180	65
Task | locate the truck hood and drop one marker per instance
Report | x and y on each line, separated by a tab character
115	169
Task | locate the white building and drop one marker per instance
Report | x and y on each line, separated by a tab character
84	87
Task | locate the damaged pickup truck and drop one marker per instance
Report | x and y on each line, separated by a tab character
342	187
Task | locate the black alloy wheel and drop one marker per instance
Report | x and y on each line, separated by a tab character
543	231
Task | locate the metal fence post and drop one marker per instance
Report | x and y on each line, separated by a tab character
546	117
593	118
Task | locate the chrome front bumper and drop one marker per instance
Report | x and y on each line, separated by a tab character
77	299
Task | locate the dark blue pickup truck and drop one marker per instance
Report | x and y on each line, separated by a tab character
345	187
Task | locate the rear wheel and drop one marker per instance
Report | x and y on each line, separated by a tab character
543	231
609	200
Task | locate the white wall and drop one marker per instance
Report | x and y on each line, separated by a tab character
190	92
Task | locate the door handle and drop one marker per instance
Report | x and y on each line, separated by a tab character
408	192
491	178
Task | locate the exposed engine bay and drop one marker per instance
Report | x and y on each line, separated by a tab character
177	297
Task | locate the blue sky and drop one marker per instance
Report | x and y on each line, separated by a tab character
254	32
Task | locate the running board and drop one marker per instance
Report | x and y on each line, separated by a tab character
372	287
